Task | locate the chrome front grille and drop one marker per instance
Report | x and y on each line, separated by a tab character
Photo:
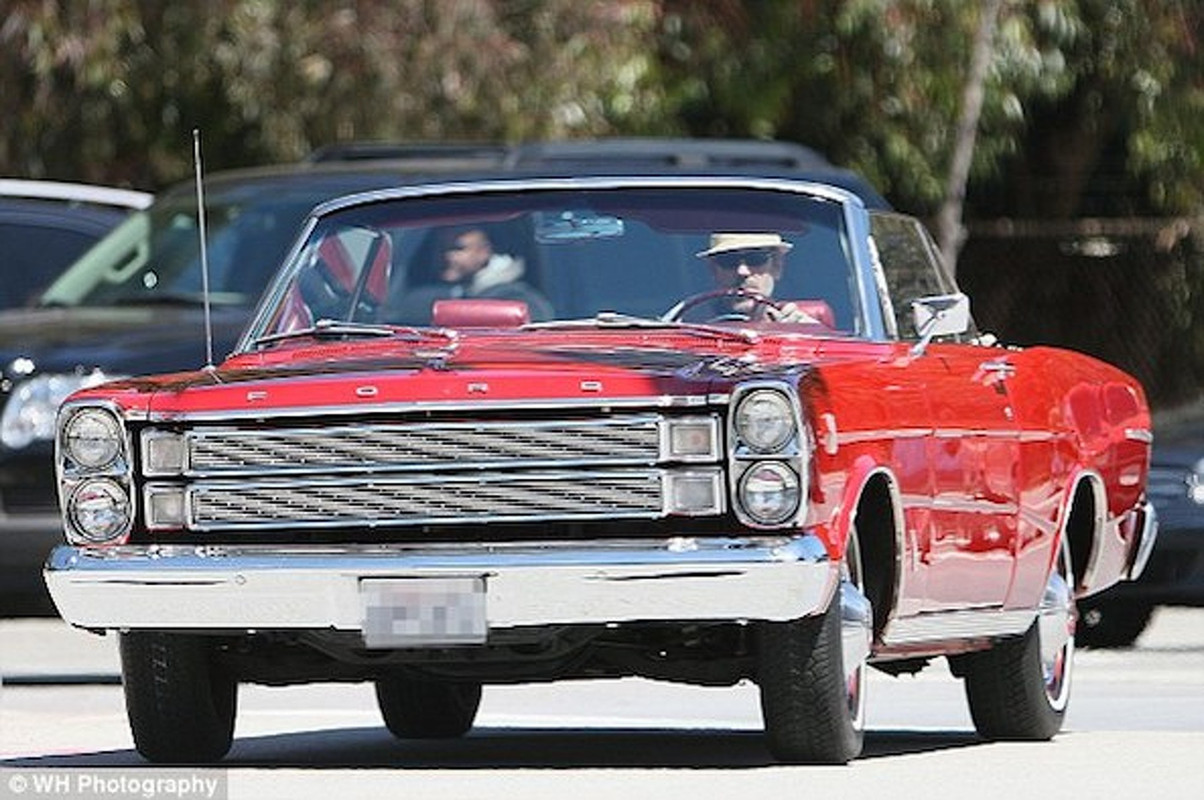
249	476
629	439
409	501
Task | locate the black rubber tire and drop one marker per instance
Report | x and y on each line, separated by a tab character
804	695
1106	623
415	709
1006	692
180	703
1010	696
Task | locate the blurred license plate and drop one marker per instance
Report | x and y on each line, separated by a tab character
423	612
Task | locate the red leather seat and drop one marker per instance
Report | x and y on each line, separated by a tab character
479	312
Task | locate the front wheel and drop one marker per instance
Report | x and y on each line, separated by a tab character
812	674
1019	689
181	704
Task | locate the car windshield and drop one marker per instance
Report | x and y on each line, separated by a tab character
559	256
154	256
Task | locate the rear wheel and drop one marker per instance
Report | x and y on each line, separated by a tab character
418	709
1112	623
180	702
1019	689
812	677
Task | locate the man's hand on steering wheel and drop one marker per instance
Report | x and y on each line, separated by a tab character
787	312
773	310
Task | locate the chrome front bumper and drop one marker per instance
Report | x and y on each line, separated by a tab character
554	583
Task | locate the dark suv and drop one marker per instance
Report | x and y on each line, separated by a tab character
133	304
46	225
1174	575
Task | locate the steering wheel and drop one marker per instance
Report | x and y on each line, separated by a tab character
678	311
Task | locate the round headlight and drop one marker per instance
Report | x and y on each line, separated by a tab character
769	492
99	510
92	438
764	420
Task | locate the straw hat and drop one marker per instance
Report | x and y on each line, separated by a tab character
726	242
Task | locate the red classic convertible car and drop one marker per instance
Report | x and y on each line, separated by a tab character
698	428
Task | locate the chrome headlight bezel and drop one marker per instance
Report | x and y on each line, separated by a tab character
91	438
99	511
788	447
765	420
108	474
754	499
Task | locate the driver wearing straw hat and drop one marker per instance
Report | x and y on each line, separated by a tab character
752	263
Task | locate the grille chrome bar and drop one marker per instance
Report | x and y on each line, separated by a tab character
630	439
402	500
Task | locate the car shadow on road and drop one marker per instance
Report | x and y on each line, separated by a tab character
515	748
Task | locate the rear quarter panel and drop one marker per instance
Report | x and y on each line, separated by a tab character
1079	417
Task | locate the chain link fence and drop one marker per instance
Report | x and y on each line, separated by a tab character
1129	291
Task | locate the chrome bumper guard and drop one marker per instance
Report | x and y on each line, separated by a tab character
557	583
1145	544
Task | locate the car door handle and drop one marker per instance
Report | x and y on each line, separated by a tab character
1003	369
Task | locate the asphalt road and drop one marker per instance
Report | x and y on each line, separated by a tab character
1135	728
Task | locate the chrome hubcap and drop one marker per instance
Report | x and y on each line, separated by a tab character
1055	626
856	631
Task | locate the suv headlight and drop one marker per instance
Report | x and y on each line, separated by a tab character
1195	483
33	405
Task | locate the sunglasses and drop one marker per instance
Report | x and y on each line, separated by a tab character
753	259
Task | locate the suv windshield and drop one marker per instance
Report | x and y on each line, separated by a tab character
154	256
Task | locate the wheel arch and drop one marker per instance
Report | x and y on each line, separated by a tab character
875	513
1083	525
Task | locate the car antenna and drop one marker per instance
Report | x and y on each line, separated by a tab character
200	216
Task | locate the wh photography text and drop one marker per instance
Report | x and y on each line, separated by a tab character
207	784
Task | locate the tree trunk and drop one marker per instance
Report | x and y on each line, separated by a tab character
950	233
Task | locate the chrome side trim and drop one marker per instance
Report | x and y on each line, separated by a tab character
889	434
860	437
242	588
954	625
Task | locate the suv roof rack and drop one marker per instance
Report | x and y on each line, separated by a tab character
490	153
669	152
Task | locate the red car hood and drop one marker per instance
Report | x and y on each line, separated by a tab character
483	367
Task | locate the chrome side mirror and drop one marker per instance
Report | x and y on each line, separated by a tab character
939	315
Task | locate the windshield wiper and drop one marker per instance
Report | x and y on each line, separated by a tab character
614	319
340	329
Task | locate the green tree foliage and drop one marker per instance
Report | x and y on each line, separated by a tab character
1086	101
109	90
1079	91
